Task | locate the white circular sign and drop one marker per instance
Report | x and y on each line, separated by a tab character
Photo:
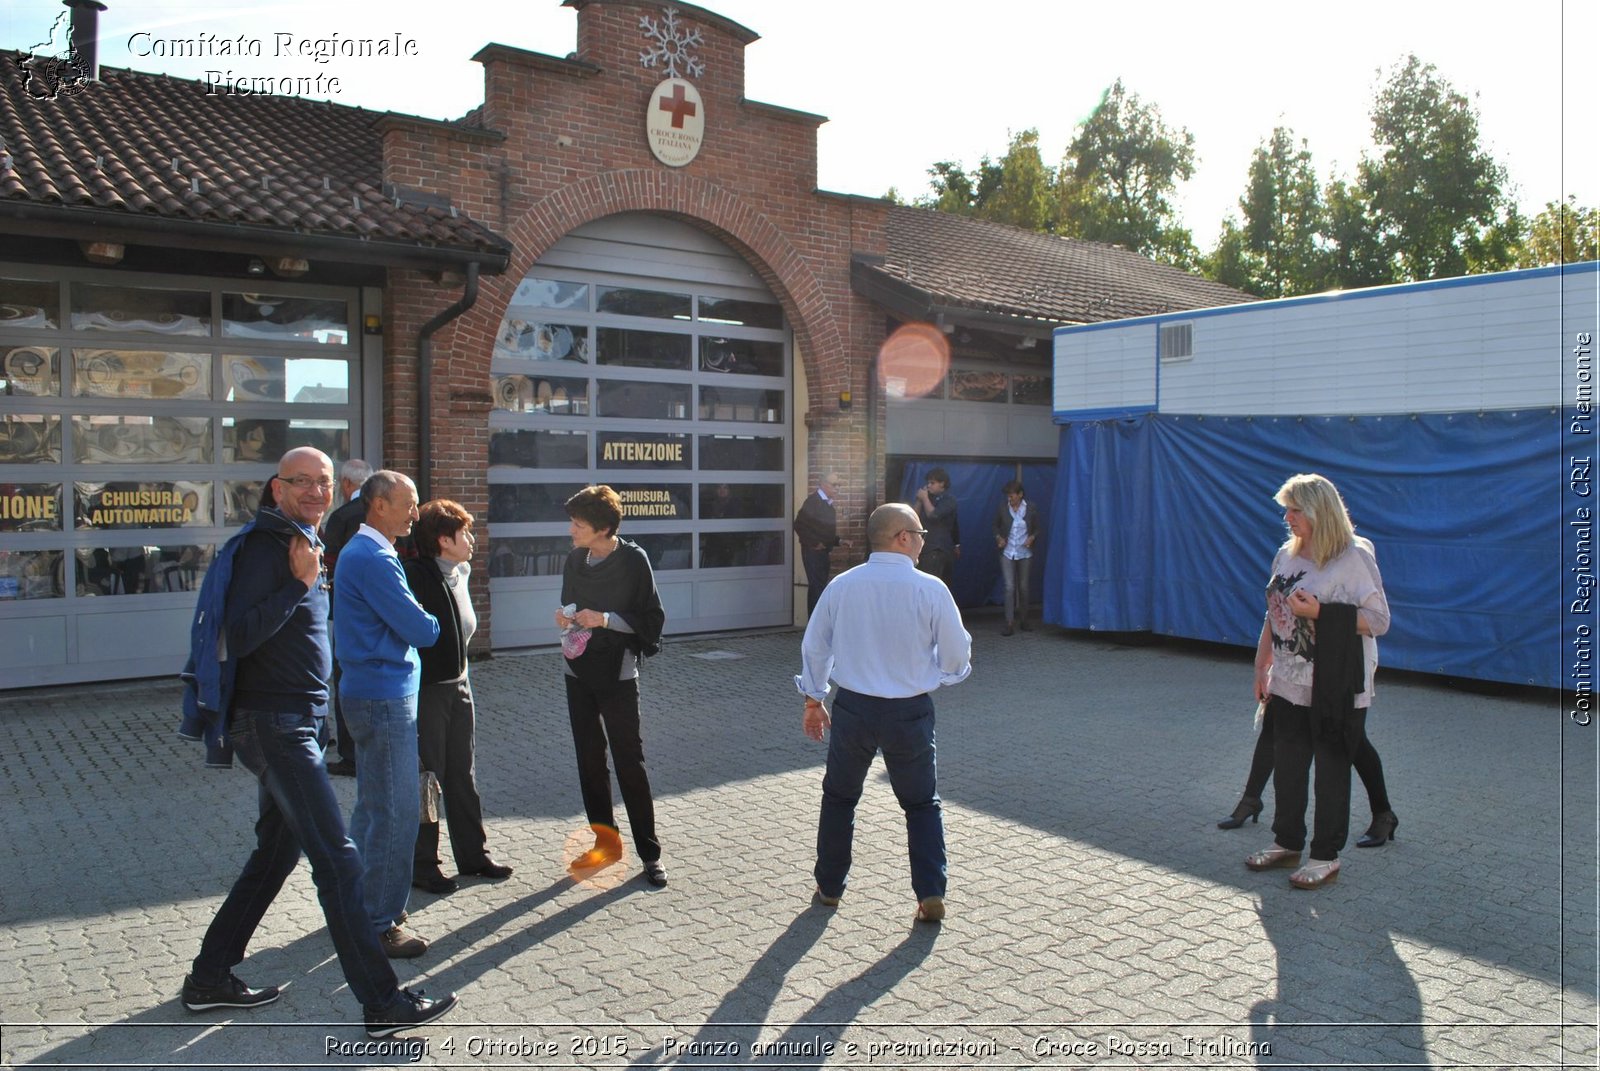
675	122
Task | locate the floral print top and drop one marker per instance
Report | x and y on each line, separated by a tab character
1353	578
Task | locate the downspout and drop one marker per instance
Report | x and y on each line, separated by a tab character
469	298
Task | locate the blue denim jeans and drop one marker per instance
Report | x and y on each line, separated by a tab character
1014	571
388	800
903	729
298	812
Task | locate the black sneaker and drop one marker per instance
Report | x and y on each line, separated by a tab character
412	1009
229	993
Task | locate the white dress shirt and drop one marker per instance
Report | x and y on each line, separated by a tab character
884	629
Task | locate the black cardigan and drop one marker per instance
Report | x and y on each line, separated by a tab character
1340	674
446	660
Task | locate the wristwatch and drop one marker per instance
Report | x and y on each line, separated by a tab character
605	619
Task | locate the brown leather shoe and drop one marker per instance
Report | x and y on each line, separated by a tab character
400	943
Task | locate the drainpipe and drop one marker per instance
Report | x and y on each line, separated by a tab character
469	298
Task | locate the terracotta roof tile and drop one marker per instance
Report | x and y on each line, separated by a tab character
967	263
141	143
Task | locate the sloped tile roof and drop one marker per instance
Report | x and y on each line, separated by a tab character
160	146
994	268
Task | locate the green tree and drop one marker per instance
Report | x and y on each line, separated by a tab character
953	190
1118	175
1023	194
1230	262
1564	233
1355	255
1434	194
1283	216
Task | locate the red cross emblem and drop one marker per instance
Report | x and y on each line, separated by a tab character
678	105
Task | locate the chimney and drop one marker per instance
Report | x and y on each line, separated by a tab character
86	35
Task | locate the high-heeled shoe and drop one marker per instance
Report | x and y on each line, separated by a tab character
1249	807
1380	832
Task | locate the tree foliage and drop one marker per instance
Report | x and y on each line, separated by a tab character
1564	233
1018	190
1276	252
1119	174
1023	194
1434	194
1426	201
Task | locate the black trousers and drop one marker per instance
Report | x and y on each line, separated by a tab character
446	721
1368	766
816	564
613	717
1297	744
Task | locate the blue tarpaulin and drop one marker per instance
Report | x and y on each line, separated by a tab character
1166	523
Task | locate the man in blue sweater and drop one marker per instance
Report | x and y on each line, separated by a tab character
275	625
378	626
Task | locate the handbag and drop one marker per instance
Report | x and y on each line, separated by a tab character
430	796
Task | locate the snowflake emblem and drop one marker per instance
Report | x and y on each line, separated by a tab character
671	46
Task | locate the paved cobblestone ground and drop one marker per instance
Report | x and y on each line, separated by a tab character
1097	916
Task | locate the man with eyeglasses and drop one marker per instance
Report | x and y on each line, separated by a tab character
887	635
275	632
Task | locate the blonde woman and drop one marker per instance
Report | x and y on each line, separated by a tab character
1314	669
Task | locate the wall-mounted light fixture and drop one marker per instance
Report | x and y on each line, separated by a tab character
844	400
290	267
102	252
372	324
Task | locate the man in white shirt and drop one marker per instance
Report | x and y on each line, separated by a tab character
887	635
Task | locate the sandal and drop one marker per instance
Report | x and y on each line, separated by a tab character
1315	875
1272	858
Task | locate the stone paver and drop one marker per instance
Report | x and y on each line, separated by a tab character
1097	917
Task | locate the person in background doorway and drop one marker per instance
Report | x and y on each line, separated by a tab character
1016	525
936	509
816	526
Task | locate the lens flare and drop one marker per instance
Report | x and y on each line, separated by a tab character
913	361
586	869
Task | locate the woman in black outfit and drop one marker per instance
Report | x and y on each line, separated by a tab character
610	616
445	714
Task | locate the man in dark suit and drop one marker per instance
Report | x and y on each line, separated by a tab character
817	528
341	524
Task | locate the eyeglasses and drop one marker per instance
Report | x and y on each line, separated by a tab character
306	483
325	582
912	531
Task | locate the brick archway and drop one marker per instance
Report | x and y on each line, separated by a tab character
720	211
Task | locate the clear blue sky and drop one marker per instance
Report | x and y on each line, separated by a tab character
908	82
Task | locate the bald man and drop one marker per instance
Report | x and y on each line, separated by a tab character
275	621
817	528
887	636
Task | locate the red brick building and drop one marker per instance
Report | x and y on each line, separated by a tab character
536	296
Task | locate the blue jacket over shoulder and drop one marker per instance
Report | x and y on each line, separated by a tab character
212	673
